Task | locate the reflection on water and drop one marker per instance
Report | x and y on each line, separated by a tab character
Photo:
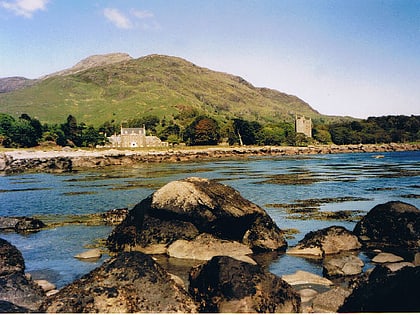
290	189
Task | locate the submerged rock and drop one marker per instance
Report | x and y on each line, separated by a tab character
331	240
226	285
128	283
390	224
185	208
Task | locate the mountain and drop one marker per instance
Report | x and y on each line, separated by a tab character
14	83
92	62
116	87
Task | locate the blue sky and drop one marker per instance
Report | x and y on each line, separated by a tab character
358	57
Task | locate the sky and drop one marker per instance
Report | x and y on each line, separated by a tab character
356	58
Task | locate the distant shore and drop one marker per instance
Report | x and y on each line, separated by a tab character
66	159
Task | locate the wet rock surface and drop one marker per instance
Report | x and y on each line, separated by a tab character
194	205
393	223
20	292
128	283
227	285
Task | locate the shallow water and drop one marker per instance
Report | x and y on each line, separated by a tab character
268	182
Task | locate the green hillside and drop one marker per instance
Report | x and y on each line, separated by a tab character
168	87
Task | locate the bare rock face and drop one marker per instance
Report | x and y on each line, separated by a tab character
393	223
186	208
331	240
386	291
128	283
226	285
15	288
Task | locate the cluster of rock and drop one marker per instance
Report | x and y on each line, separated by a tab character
217	233
68	159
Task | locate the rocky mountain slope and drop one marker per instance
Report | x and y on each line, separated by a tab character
14	83
116	87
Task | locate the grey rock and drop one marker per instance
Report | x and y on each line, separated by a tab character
128	283
343	265
393	223
330	301
226	285
331	240
185	208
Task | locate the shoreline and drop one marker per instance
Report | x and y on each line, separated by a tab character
65	160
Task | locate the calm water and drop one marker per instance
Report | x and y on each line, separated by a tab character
272	183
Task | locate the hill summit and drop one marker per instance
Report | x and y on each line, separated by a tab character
116	87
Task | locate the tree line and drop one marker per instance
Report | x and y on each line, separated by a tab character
25	131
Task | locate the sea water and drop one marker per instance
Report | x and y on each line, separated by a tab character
352	182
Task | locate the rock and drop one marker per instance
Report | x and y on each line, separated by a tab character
11	259
330	301
206	246
226	285
331	240
90	254
386	258
21	224
8	307
398	265
386	291
14	286
416	259
347	265
304	277
131	282
114	216
390	224
185	208
307	294
45	285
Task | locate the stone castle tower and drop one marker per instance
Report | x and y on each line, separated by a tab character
303	125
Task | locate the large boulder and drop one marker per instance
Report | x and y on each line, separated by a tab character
185	208
386	291
128	283
226	285
328	241
395	224
15	288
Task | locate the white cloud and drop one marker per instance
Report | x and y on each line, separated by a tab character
25	8
117	18
140	19
142	14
